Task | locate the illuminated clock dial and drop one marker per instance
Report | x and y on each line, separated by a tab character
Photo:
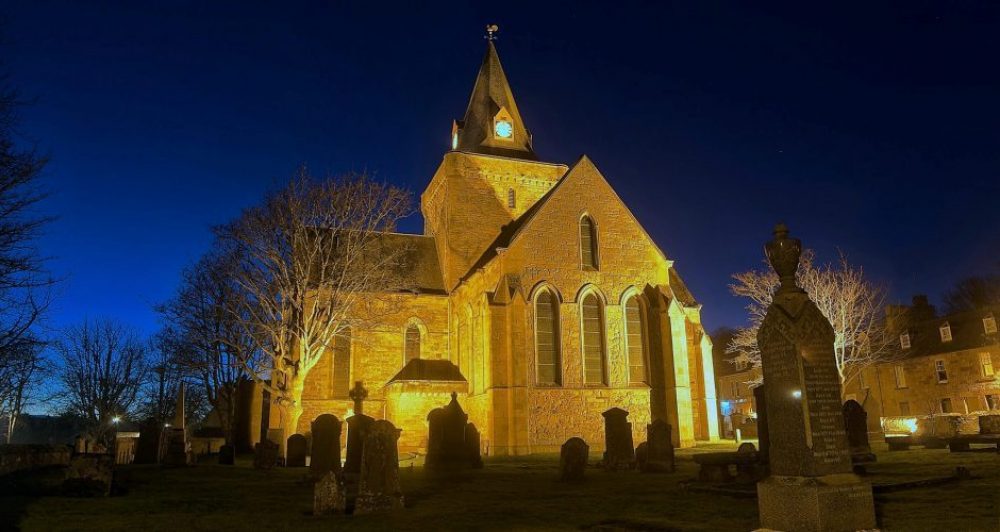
504	129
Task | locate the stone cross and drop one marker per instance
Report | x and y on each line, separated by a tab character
812	486
358	394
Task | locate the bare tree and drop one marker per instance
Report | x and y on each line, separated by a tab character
205	340
164	376
972	293
312	261
20	375
103	368
853	304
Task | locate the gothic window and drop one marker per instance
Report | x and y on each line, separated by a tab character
547	338
511	198
588	243
340	383
412	349
593	340
636	342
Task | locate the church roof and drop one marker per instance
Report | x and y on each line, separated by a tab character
420	369
422	269
492	100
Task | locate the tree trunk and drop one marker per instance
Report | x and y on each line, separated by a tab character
294	409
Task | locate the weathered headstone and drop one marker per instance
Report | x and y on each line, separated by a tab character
448	440
573	457
378	489
641	455
989	424
659	449
296	449
227	455
357	430
812	486
265	454
147	450
619	452
325	445
328	495
749	470
856	426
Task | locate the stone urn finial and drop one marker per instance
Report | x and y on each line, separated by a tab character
783	253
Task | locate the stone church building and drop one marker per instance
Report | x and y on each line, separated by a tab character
539	299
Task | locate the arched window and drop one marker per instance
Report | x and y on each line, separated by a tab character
340	383
588	243
511	198
635	339
593	340
547	338
412	349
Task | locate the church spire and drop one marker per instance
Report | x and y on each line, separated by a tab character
492	123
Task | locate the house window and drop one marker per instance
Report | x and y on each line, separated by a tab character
547	339
412	349
635	340
588	244
511	198
992	402
942	374
986	364
593	340
990	324
946	405
904	341
900	376
340	383
946	332
904	408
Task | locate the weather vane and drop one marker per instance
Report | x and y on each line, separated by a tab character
491	31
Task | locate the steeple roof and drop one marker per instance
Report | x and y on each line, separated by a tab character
492	112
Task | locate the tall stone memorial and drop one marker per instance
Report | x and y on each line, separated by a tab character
812	486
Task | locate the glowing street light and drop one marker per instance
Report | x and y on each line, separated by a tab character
797	394
116	419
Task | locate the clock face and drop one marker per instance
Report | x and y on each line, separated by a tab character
504	129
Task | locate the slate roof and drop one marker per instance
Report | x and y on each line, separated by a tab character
967	332
423	270
680	289
420	369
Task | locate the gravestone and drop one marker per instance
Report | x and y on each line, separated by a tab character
265	454
812	486
357	430
856	426
989	424
328	495
227	455
749	471
89	475
763	441
619	452
452	442
147	449
296	449
175	447
641	455
378	489
325	446
659	449
573	457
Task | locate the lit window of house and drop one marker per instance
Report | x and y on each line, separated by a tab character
900	376
946	332
942	374
946	405
990	324
904	340
986	364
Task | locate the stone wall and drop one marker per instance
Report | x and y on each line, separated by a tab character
556	415
22	457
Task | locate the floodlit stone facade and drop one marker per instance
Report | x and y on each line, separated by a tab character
541	292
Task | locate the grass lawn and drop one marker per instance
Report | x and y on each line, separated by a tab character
518	494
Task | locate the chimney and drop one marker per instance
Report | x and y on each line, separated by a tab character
921	309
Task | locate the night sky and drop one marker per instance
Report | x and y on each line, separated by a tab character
872	130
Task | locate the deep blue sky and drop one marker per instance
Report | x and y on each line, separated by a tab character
871	129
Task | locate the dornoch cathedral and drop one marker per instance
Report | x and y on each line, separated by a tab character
540	300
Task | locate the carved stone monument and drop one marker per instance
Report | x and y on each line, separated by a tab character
175	436
573	459
379	490
659	448
619	452
812	486
452	442
265	454
763	439
328	495
325	446
295	450
856	426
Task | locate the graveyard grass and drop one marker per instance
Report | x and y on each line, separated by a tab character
508	494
